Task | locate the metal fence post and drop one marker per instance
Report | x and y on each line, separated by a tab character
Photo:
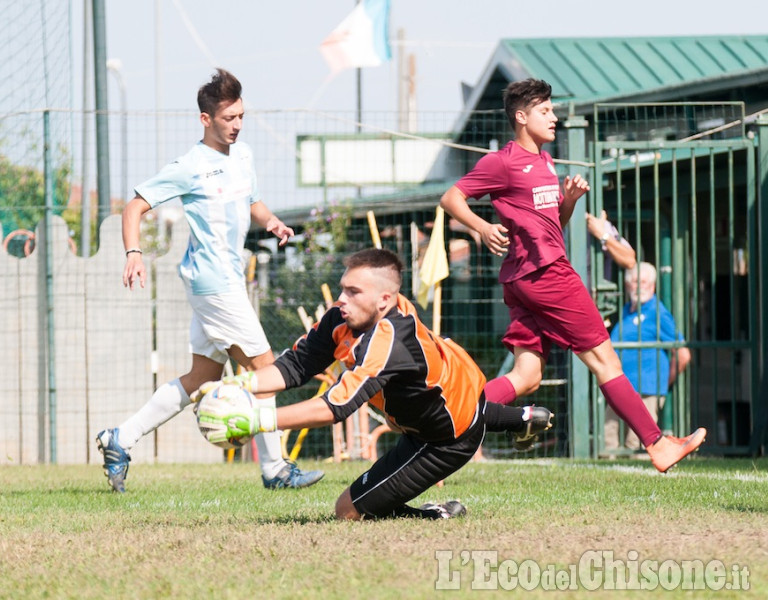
579	400
760	403
102	107
50	321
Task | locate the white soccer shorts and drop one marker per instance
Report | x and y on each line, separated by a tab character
220	321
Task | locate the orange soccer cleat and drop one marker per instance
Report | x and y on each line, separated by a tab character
667	451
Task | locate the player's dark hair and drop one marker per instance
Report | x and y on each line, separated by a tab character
223	87
519	95
375	258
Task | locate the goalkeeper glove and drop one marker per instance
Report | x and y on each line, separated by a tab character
223	423
218	429
248	381
265	415
207	387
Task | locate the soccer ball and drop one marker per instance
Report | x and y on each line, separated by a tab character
225	414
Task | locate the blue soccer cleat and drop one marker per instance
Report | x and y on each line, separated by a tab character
116	459
290	476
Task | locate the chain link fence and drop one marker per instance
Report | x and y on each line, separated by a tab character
329	218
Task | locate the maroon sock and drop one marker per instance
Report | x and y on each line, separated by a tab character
623	399
500	390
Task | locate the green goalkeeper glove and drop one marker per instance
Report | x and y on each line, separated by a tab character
265	410
208	386
248	381
220	422
219	429
265	415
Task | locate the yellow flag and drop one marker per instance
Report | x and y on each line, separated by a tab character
434	267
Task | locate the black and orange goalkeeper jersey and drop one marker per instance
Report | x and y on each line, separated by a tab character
425	385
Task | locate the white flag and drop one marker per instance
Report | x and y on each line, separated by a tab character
360	40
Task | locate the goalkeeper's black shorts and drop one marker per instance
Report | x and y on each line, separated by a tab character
413	466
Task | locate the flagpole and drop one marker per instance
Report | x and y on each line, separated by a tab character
359	112
359	81
359	104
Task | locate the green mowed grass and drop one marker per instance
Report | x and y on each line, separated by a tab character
213	531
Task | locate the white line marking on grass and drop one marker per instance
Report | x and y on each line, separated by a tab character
637	470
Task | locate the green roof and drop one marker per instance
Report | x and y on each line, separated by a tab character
584	69
589	70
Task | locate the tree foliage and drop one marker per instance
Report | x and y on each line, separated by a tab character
296	279
22	198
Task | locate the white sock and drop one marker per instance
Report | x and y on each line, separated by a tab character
269	446
167	402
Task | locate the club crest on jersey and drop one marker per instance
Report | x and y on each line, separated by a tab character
551	168
527	168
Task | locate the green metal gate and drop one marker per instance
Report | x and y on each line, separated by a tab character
689	207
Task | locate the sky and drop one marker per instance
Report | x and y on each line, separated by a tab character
272	47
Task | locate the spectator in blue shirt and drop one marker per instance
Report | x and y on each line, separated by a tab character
650	370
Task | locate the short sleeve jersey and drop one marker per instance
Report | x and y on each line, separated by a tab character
525	191
649	371
425	385
216	191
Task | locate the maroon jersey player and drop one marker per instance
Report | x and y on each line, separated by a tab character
546	298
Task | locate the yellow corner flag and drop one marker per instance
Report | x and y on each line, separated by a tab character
434	267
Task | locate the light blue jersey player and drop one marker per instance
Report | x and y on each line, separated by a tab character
216	183
217	192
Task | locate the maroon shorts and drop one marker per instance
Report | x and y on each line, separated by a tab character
552	305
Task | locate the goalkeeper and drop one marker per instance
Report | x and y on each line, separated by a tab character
428	388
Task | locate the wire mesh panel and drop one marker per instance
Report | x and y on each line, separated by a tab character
471	312
669	121
660	194
35	68
688	208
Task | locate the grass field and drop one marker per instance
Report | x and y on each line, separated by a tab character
213	531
